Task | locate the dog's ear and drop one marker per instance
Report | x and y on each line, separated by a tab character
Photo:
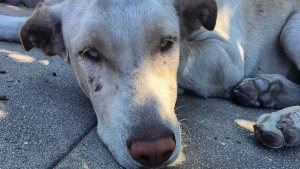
43	30
196	13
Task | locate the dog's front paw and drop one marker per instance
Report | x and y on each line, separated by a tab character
256	92
278	129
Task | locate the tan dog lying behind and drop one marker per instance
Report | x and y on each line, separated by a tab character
125	55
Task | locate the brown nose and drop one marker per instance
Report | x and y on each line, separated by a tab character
152	153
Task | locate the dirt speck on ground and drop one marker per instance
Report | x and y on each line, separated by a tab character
3	97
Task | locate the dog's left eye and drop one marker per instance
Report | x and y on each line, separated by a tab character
167	43
91	54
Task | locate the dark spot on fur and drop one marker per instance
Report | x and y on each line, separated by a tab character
98	88
259	9
91	80
135	64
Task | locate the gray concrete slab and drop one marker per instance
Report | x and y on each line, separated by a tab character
89	154
217	135
45	115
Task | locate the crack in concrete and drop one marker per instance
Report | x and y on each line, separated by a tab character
70	149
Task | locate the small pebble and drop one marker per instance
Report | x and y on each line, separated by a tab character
54	74
2	72
3	97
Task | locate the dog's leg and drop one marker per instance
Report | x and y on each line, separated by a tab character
275	90
267	90
10	26
209	67
281	128
290	39
278	129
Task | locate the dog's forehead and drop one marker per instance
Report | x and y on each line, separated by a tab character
116	22
142	4
119	16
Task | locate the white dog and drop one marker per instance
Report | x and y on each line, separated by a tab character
129	56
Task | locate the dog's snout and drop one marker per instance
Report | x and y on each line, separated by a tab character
152	153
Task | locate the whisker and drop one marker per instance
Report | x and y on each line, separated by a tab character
183	134
180	121
179	107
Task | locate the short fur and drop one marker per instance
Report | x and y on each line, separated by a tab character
252	56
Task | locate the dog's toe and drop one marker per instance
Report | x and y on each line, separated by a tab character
268	138
256	92
280	128
246	94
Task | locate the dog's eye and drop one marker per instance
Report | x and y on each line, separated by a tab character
167	43
91	54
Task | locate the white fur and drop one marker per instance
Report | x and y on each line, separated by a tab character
10	26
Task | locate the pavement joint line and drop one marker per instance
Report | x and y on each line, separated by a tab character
74	145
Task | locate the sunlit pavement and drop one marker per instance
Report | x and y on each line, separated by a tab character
47	122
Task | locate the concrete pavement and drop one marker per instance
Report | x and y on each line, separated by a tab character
47	122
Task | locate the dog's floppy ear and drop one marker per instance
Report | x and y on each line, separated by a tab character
43	30
196	13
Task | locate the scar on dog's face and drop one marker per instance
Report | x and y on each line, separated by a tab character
125	56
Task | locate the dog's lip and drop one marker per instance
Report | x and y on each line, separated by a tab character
165	164
173	157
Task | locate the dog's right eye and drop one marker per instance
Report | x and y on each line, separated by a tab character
167	43
91	54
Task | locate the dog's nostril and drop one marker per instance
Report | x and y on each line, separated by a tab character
167	154
129	145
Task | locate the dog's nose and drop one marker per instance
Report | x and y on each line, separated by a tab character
152	153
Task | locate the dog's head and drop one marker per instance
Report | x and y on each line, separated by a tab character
125	55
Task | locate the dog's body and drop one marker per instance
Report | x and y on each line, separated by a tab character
125	55
248	41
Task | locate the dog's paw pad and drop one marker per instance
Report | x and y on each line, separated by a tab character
256	92
262	84
279	129
268	138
